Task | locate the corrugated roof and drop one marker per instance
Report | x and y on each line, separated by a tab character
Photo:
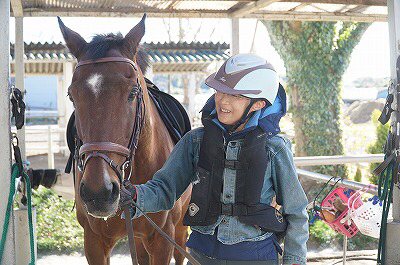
331	10
48	58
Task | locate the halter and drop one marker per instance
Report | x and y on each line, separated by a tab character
83	153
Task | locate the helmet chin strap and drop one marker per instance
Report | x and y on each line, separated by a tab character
232	128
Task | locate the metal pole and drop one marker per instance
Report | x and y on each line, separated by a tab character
344	249
344	182
393	227
336	160
235	36
5	130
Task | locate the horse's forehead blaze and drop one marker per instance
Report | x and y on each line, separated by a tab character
94	82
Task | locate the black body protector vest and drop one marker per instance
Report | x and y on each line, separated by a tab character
206	206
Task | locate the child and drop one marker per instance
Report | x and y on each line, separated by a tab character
237	164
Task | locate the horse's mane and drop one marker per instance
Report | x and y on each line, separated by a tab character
102	43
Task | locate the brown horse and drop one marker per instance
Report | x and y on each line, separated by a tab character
105	91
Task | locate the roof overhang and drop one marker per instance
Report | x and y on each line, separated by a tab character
317	10
165	58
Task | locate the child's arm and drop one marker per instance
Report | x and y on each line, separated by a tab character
291	196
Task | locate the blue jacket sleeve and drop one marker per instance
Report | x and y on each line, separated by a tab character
171	181
294	201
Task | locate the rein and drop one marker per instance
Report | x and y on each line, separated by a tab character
83	154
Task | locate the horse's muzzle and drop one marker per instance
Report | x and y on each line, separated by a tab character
100	203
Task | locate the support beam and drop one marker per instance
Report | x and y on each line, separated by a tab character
234	36
319	16
68	71
18	10
20	74
250	8
343	2
393	227
192	95
358	9
62	120
300	6
270	15
5	132
150	73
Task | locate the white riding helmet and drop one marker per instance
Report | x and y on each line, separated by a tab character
248	75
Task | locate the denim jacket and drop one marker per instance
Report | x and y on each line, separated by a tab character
169	183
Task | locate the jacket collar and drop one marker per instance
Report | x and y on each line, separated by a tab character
267	118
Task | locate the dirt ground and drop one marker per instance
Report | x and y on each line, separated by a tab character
324	258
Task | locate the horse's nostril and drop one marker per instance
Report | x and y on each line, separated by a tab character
115	190
83	192
107	192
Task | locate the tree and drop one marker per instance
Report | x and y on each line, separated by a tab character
316	55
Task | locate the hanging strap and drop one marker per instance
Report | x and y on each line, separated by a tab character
15	174
18	107
385	193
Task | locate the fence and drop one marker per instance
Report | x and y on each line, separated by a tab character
45	139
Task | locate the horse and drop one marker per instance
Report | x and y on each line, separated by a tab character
121	135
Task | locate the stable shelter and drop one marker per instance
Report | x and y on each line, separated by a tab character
307	10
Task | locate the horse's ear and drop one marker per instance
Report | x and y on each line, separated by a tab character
134	36
75	43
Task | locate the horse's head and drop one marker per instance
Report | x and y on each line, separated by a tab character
106	90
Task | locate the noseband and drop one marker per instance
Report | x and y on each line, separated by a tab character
83	153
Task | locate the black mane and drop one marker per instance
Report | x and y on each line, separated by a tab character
102	43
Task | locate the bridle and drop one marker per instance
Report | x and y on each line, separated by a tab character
83	153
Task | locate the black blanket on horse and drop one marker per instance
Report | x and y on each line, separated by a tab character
170	110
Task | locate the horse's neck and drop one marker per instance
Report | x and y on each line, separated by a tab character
155	143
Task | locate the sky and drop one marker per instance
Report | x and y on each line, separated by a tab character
370	58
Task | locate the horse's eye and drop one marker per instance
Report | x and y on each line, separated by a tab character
70	97
133	93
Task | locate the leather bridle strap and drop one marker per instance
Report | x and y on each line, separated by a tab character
90	150
106	60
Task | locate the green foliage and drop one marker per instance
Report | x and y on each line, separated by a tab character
359	242
322	233
377	146
316	55
324	236
56	224
358	175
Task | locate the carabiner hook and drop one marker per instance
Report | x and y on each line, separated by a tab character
14	140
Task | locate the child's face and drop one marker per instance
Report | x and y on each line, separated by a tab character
230	108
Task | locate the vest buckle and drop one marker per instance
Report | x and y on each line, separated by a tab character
227	209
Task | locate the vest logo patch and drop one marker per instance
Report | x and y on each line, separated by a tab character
278	216
223	79
193	209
